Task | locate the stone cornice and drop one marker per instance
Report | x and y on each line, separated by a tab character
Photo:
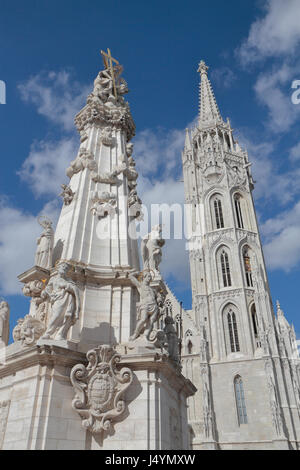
19	358
51	355
154	361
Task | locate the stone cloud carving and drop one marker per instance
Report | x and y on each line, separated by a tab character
103	204
100	388
28	330
85	159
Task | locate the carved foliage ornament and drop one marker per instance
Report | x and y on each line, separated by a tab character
100	388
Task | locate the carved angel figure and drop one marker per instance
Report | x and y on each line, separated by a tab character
65	303
67	194
151	249
4	323
43	256
84	159
148	309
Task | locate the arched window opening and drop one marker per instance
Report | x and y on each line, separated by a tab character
238	211
255	326
225	267
188	341
240	400
233	331
247	267
169	308
218	213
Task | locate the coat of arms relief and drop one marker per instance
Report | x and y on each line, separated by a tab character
100	388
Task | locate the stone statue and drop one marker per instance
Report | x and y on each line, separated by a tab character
151	249
172	339
4	323
104	85
149	311
43	257
65	304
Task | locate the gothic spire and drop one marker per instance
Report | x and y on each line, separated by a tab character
209	111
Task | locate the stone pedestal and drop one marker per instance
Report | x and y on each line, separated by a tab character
36	398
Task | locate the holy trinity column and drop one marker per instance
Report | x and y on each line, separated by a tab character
95	235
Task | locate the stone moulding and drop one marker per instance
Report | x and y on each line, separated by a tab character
99	389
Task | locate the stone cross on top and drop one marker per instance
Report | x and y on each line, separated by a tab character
108	61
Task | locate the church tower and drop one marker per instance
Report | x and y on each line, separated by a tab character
242	359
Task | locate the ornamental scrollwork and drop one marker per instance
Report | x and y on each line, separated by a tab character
99	389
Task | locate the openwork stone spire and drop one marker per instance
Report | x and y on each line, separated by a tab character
209	111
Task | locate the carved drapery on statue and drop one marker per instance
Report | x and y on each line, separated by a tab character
65	304
100	389
4	323
43	257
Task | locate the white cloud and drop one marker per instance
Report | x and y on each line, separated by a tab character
19	231
56	96
44	170
273	89
224	77
159	151
282	239
277	33
158	157
295	152
272	184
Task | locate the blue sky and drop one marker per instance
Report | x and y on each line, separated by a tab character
49	57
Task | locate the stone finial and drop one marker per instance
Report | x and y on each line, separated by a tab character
278	306
203	68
